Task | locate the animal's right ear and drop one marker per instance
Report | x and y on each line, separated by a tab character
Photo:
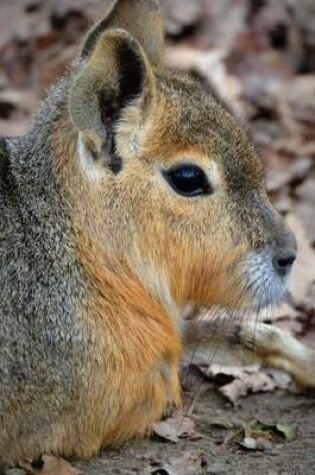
116	74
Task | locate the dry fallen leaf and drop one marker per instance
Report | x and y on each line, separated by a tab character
180	14
190	463
210	65
243	380
282	380
175	428
305	208
251	383
303	273
49	465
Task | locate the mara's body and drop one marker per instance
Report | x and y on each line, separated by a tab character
87	357
133	195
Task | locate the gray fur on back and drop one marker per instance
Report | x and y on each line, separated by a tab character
40	279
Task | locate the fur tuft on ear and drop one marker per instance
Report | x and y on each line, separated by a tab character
141	18
116	73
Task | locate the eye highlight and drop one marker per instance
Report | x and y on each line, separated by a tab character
188	180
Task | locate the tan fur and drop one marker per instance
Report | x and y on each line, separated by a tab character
143	251
135	339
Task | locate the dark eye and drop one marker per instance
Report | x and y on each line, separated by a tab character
188	180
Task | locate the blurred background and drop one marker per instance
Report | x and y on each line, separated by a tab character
257	55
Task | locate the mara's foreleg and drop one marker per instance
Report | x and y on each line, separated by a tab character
254	342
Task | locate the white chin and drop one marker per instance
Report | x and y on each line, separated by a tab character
261	282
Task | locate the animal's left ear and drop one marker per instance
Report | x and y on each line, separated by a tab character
116	74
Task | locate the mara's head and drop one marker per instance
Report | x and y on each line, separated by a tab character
176	187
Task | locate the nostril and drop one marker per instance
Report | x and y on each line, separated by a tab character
284	261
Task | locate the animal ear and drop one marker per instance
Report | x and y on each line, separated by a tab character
143	21
116	74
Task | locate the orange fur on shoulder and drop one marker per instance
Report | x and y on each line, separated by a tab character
138	348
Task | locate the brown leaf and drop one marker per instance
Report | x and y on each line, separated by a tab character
279	174
216	370
281	379
253	383
180	14
303	273
190	463
52	465
210	65
297	104
245	380
175	428
305	209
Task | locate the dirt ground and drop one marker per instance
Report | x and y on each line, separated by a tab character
212	455
259	56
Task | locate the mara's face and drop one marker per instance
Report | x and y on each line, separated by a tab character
189	205
181	189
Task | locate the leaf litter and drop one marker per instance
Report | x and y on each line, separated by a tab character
176	427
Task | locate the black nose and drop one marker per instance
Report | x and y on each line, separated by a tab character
283	262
